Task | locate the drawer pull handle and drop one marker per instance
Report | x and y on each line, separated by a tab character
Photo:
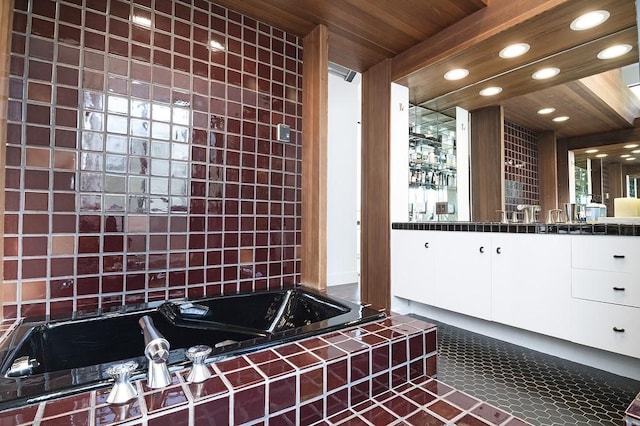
481	249
618	288
426	245
498	250
618	256
618	330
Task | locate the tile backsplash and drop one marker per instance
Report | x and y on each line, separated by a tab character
141	160
521	166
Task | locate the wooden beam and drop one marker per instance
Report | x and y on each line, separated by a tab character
375	253
547	172
497	17
609	90
487	163
604	138
315	71
6	20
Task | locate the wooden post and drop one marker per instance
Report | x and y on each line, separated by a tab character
315	72
375	253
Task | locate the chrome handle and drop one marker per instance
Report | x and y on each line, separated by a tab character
199	371
123	391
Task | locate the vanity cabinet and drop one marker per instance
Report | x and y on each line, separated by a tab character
413	264
450	270
463	273
605	290
531	282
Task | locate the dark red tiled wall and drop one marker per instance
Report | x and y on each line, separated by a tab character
141	161
521	166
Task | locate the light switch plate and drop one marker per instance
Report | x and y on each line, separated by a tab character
283	133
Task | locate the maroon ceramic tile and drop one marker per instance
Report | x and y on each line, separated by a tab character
311	412
282	394
79	418
378	416
215	411
423	418
444	409
436	387
275	368
249	404
176	418
311	383
360	392
420	396
470	420
112	414
243	377
490	413
56	407
18	415
461	400
303	360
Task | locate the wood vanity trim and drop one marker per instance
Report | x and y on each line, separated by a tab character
487	163
315	89
547	172
375	254
6	21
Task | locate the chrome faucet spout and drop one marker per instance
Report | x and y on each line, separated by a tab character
157	352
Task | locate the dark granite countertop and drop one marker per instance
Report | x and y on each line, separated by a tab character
521	228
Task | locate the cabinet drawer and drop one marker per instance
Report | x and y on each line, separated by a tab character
603	286
594	324
618	254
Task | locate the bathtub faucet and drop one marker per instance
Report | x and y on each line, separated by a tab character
157	352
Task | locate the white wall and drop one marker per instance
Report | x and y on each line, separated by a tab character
342	180
399	161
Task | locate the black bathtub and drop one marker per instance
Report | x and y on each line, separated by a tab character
70	356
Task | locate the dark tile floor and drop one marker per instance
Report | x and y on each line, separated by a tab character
539	388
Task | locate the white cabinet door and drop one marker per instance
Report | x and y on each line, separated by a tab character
463	273
531	283
412	264
606	326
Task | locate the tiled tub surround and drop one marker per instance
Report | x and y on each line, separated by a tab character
295	383
141	161
632	413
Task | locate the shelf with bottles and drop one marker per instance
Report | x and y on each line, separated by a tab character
432	179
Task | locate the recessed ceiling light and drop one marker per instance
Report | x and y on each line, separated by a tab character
592	151
630	158
601	155
589	20
490	91
456	74
561	118
636	151
545	73
614	51
631	145
514	50
546	110
625	156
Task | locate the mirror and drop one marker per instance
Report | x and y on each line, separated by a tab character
588	90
